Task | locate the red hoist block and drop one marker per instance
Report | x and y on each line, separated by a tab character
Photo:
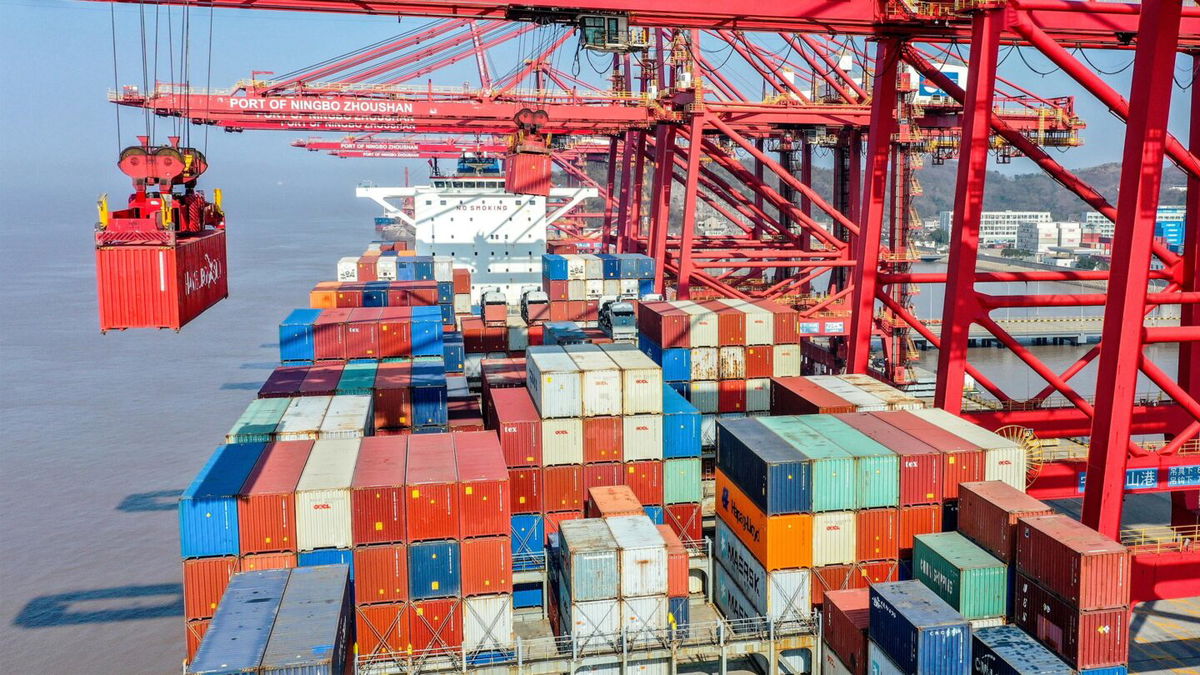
143	286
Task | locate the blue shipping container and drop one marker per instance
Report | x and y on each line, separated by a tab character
681	426
208	508
374	297
429	393
554	267
447	314
406	270
296	335
423	268
611	266
428	312
445	292
679	615
241	627
454	352
527	595
918	630
313	627
655	514
528	541
1008	650
427	336
645	287
327	556
631	267
645	266
771	472
433	570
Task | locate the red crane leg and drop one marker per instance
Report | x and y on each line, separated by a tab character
612	188
1137	206
688	233
961	306
879	152
622	225
758	198
660	219
1189	354
634	226
805	203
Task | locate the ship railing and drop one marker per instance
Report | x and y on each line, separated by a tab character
1161	539
526	562
1143	399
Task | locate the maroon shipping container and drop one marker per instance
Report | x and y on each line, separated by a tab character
988	512
361	333
462	281
559	311
436	626
962	461
845	616
380	574
787	322
687	520
556	290
677	563
731	396
516	421
204	582
920	464
393	398
483	496
525	489
602	439
348	296
395	332
562	488
377	490
329	335
193	635
486	565
645	478
160	286
553	520
576	310
266	504
322	380
1084	639
284	382
495	339
914	520
381	629
798	396
602	475
877	530
760	362
367	268
432	507
472	331
256	562
665	325
1078	563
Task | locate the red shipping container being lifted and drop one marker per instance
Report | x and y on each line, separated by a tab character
432	509
380	574
525	488
645	479
267	505
377	493
483	502
436	626
1078	563
845	616
1084	639
143	286
516	421
962	461
988	513
486	566
204	582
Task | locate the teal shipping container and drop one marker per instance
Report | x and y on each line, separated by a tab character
967	577
257	424
876	466
832	479
358	378
681	481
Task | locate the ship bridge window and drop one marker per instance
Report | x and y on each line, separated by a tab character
443	202
428	202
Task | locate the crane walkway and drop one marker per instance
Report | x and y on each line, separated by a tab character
1076	330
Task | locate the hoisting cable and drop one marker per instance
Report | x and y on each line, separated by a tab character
208	82
112	19
145	68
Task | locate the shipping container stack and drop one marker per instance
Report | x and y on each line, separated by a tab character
914	631
576	284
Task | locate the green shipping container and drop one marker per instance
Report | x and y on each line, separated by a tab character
358	379
258	423
967	577
877	467
681	480
833	479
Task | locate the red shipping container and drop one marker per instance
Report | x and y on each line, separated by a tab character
283	382
962	461
322	380
160	286
483	495
562	488
382	629
687	520
193	635
646	480
377	490
267	505
845	617
920	464
527	173
204	582
551	521
787	322
677	563
665	325
988	512
830	578
486	566
348	296
267	561
435	626
591	310
329	335
760	361
731	396
602	439
472	331
799	396
576	310
560	310
361	333
877	530
423	293
393	398
495	339
516	421
556	290
875	572
432	508
395	332
731	323
914	520
612	501
601	475
367	270
462	281
380	574
1084	639
525	489
1078	563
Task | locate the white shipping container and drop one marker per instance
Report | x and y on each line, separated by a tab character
612	287
990	622
628	286
758	394
702	331
594	624
518	338
704	395
576	267
863	401
385	268
642	437
562	441
488	623
644	618
576	289
593	289
785	361
600	380
1004	460
731	363
443	268
554	382
831	664
706	363
374	246
834	538
730	599
323	495
760	323
347	269
1005	464
878	663
462	303
302	419
783	595
895	399
641	555
593	267
641	380
348	417
660	666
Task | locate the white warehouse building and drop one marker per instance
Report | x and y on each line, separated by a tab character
999	227
1041	237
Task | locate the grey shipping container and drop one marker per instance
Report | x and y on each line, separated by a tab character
238	634
312	629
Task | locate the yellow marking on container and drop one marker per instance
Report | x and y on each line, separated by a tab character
416	494
378	525
435	585
469	490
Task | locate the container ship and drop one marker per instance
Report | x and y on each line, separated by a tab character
479	455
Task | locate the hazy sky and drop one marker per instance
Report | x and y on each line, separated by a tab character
59	145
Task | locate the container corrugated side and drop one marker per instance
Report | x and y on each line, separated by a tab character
702	325
266	502
643	618
832	473
835	539
434	570
681	481
312	631
1003	459
773	539
1076	562
377	494
600	380
257	424
641	381
592	623
705	363
642	437
681	426
208	508
918	630
204	582
844	619
348	417
1084	639
919	465
832	665
967	577
514	417
488	623
562	441
323	496
431	478
486	564
988	513
238	635
641	555
877	530
484	508
730	599
785	362
381	574
590	566
302	419
878	662
782	595
876	466
767	468
554	382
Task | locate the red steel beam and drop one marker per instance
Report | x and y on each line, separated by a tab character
686	265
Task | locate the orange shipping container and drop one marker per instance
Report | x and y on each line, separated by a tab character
380	574
382	629
914	520
267	561
267	505
877	530
193	634
612	500
323	295
486	565
778	542
677	563
204	582
377	491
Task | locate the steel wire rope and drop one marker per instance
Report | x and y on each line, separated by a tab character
145	68
154	61
1083	53
112	20
208	82
354	52
1021	53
